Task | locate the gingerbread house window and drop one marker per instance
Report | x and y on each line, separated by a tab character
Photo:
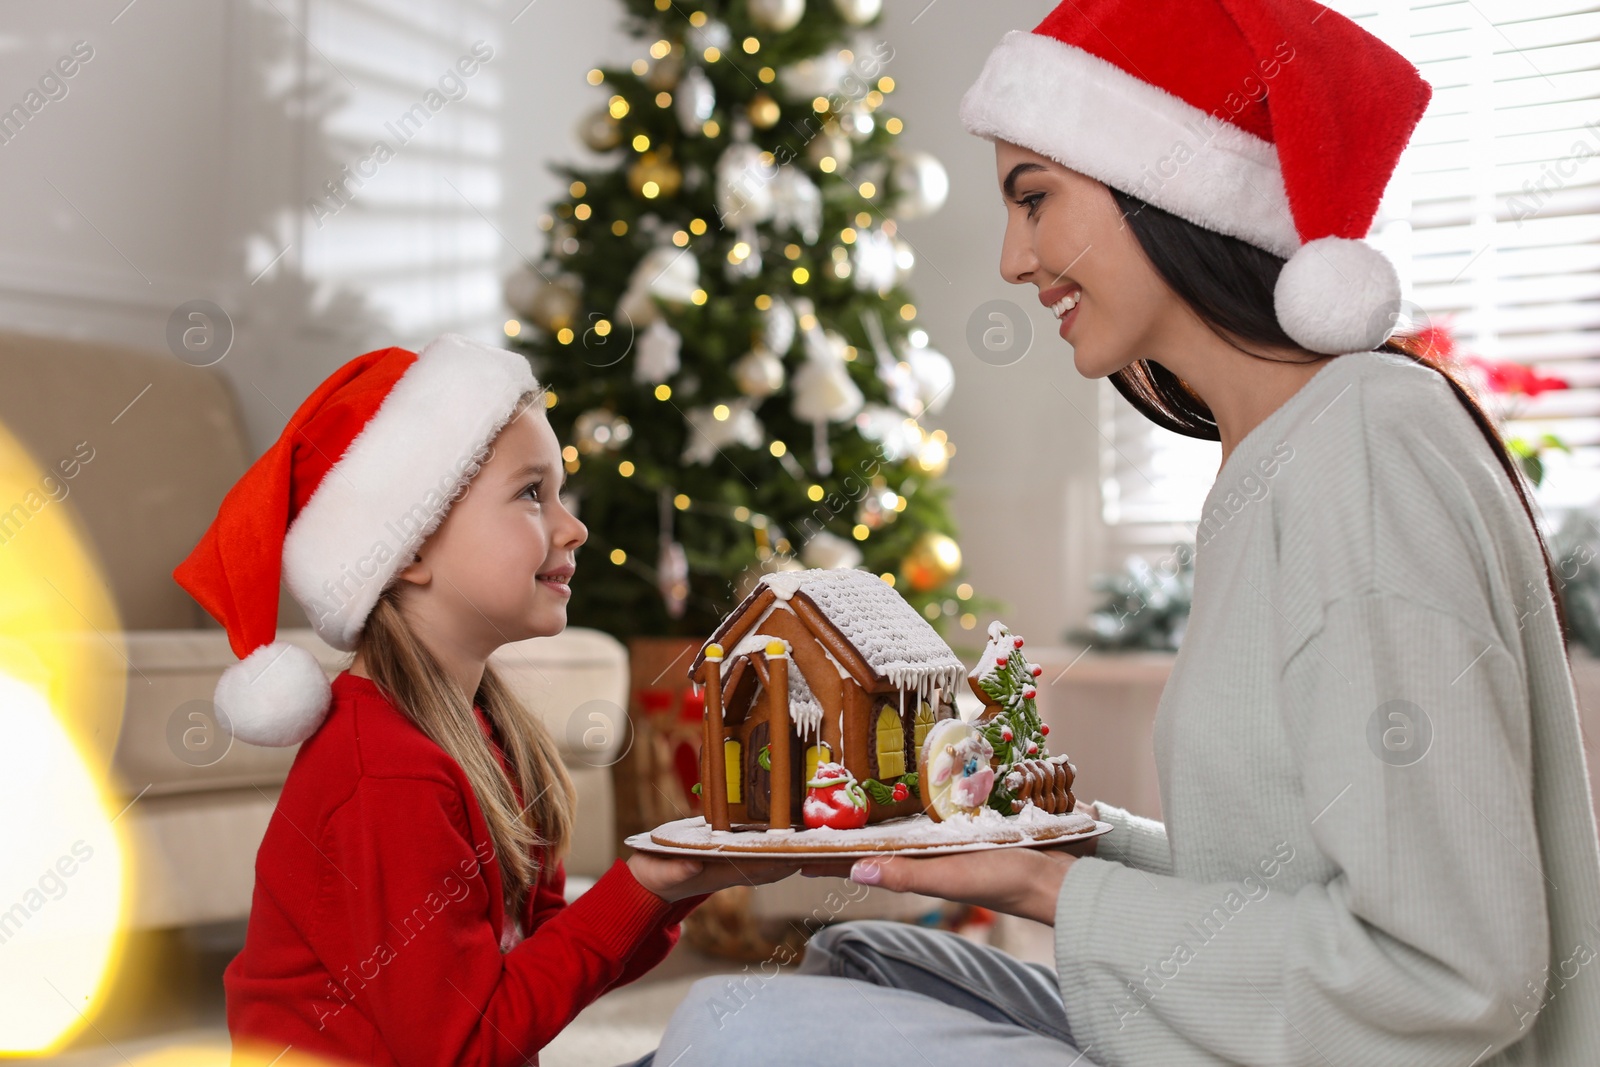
891	738
734	757
923	723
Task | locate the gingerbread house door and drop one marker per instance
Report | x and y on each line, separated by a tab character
758	780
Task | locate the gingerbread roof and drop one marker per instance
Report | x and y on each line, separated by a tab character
882	637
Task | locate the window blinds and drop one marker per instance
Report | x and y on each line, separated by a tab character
405	213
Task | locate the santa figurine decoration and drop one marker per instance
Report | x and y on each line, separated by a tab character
834	799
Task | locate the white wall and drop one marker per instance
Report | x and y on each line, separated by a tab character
182	179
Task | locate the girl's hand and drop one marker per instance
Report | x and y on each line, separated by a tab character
1017	881
675	877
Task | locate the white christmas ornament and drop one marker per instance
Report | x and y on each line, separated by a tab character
934	377
820	75
778	327
823	390
712	34
828	551
858	12
896	374
744	185
748	265
709	434
694	101
672	576
657	354
897	436
797	203
668	273
777	16
872	263
921	185
759	372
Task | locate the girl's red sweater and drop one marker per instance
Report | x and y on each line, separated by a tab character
377	925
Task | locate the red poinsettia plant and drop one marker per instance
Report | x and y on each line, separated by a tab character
1507	384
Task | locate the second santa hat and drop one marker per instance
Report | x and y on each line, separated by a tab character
1278	122
364	471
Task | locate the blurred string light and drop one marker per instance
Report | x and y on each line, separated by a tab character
62	684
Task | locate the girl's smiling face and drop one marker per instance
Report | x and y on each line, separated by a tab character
1066	236
496	569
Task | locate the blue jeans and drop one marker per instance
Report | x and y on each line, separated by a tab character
909	994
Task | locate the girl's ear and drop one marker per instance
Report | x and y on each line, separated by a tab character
416	572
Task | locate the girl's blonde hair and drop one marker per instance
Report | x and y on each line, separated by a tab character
409	675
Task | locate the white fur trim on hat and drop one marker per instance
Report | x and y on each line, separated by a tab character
1093	117
1337	295
276	696
393	485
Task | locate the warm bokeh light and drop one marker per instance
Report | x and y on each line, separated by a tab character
62	684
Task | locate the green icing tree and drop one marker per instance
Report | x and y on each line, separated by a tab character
721	317
1015	725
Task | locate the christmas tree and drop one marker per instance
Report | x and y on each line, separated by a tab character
1011	722
722	322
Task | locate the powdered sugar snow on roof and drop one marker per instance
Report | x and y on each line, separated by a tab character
891	636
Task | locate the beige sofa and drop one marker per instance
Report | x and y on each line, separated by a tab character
168	445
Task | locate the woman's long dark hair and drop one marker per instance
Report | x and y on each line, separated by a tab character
1229	284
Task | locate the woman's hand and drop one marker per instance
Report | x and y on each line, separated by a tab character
675	877
1018	881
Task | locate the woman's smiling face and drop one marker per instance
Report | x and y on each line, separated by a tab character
1065	235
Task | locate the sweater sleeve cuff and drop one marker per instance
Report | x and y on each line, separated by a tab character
681	909
1077	913
623	911
1134	840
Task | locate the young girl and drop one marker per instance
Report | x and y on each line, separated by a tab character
409	904
1379	841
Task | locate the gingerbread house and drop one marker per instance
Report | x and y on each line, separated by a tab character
817	666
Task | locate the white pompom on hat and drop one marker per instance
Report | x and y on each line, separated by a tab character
409	430
1278	122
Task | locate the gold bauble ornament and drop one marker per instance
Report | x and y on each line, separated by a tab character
599	131
764	111
556	304
933	560
665	72
656	167
831	143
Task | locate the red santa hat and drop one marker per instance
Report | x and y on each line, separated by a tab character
365	470
1278	122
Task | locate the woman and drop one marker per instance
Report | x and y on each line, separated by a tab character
1379	844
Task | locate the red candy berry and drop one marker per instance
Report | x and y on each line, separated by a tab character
900	791
1033	748
1016	642
1029	693
1044	730
1000	661
1005	734
1036	670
